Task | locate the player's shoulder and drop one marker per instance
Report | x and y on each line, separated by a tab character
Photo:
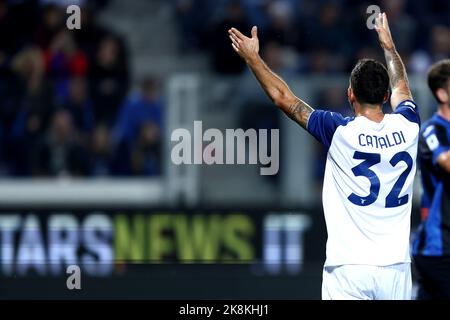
435	123
409	110
428	125
322	124
332	117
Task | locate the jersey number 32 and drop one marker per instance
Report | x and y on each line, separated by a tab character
363	169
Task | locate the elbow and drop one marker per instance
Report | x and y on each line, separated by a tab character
401	92
275	95
281	100
444	161
447	167
278	102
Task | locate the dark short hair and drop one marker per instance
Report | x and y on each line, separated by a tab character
369	81
438	76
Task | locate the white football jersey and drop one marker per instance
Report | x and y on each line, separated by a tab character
368	184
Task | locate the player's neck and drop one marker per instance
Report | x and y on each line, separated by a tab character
444	111
371	112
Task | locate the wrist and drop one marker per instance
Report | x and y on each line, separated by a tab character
253	59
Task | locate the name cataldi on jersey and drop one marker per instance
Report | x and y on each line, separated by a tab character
368	184
389	140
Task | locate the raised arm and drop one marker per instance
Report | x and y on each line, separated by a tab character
277	90
397	73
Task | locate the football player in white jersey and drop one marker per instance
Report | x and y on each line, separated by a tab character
371	163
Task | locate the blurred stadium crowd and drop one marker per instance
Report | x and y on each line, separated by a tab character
311	37
65	107
67	104
316	36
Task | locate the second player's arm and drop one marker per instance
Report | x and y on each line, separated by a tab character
444	161
275	87
397	73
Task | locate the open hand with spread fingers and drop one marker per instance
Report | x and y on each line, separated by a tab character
384	33
246	47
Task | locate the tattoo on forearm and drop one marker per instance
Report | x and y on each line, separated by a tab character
396	69
300	112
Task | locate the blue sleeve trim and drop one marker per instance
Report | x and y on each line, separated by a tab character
409	110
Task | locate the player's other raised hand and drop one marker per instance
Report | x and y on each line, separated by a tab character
246	47
384	33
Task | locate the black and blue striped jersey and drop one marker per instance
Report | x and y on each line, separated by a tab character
433	236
